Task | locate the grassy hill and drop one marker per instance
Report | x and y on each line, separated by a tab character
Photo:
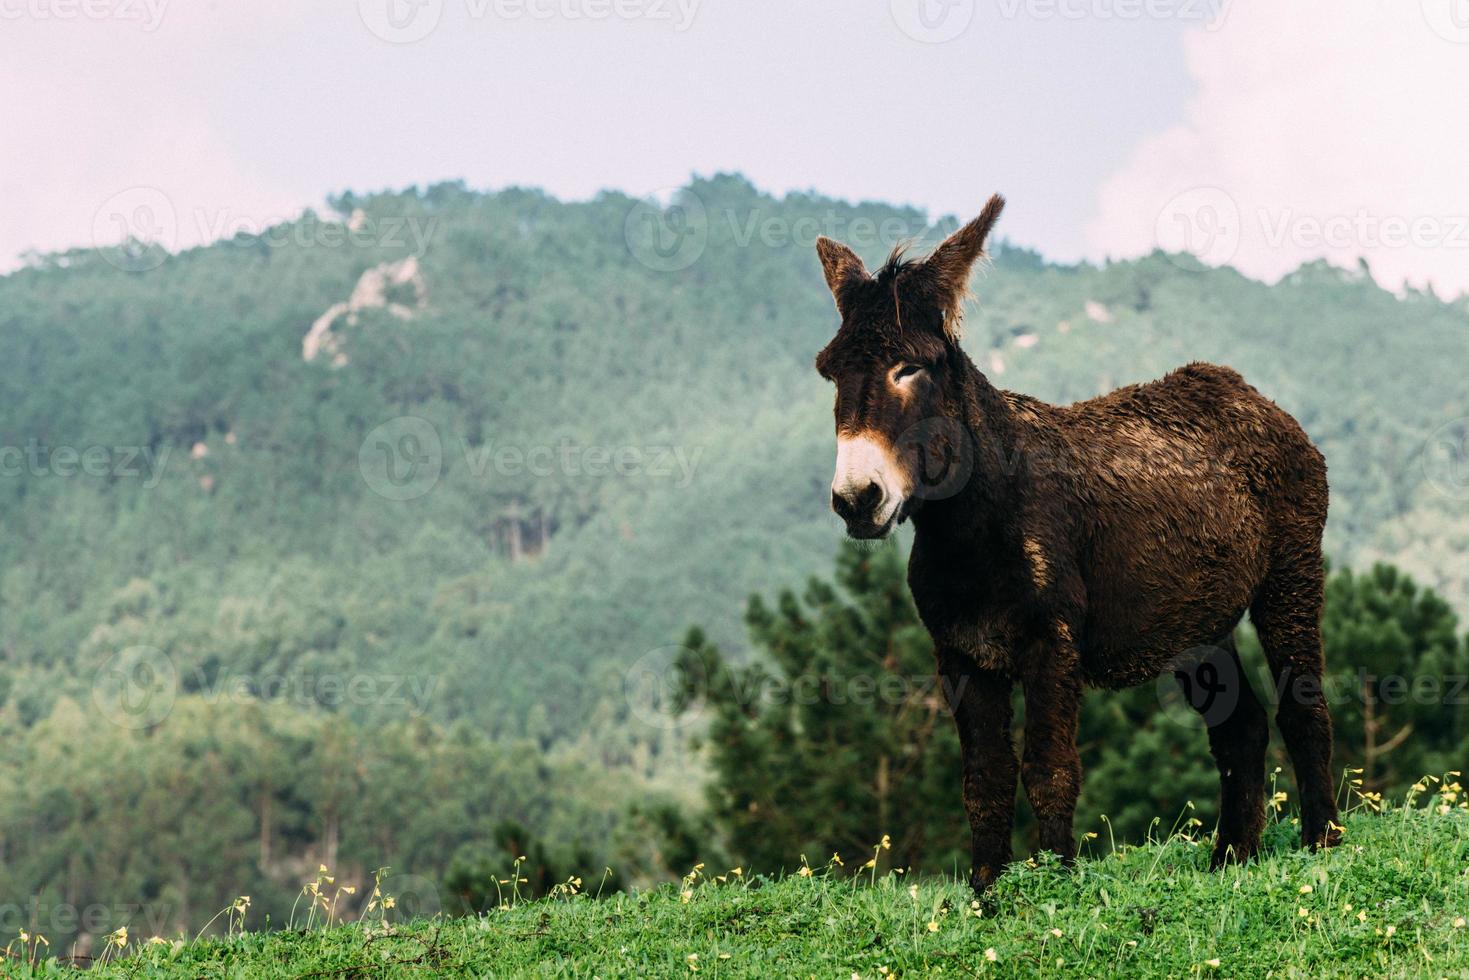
1390	902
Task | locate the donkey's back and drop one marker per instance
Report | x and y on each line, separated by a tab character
1187	494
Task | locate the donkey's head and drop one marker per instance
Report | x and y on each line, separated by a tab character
896	365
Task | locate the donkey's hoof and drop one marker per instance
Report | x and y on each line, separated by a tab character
1231	852
982	880
1328	836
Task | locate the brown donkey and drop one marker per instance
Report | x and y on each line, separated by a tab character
1101	543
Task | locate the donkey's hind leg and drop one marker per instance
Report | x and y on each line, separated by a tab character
1215	685
1287	617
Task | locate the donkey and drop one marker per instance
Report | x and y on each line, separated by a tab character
1102	543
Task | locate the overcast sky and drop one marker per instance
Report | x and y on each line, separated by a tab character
1256	132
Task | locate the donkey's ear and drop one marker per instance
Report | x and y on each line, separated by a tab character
842	267
951	262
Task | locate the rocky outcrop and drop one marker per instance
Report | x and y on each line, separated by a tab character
379	288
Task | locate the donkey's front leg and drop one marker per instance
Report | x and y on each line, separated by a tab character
980	702
1052	766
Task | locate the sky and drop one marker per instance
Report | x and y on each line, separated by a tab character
1257	133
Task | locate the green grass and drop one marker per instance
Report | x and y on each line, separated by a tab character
1389	902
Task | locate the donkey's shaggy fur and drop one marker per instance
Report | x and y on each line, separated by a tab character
1102	543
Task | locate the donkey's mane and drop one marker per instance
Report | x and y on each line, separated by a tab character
902	272
897	263
891	273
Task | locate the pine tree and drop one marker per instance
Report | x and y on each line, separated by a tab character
839	735
1398	678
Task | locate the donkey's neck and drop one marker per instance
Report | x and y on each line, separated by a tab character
984	507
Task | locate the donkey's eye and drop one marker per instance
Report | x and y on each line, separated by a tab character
906	371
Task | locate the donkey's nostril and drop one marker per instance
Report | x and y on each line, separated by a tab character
852	504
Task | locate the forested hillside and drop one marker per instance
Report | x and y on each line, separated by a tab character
379	540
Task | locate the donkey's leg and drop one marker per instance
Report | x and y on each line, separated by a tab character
1287	616
1239	732
980	702
1051	768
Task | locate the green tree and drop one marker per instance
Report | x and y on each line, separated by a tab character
1399	678
840	734
519	864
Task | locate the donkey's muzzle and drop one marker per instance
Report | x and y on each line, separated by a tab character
860	508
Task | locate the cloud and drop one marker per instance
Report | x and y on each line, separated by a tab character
113	128
1319	129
